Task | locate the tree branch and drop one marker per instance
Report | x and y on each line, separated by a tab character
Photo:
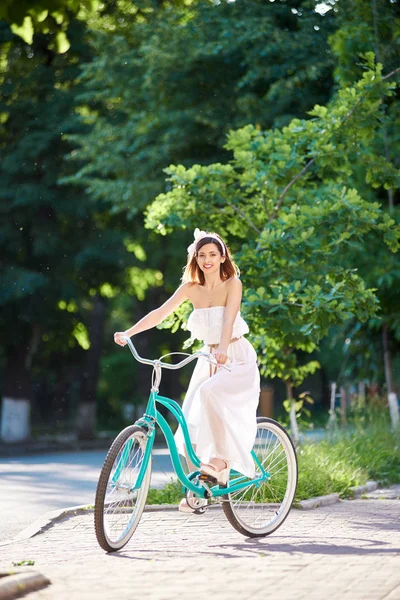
287	188
264	202
311	162
391	74
240	212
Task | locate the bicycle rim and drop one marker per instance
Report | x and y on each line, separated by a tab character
119	505
260	509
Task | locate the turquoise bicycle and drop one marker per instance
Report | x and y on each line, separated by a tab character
254	507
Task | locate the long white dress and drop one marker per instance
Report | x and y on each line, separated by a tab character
221	409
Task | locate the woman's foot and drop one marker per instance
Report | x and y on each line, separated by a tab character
217	468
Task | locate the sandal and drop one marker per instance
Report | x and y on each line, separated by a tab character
221	475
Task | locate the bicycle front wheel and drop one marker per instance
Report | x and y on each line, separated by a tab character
262	507
119	500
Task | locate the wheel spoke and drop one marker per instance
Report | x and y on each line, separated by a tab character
119	504
260	508
116	515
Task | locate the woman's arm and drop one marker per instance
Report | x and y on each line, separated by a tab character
230	313
155	317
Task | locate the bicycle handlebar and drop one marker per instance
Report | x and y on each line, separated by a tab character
182	363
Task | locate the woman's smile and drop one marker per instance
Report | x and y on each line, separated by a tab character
209	258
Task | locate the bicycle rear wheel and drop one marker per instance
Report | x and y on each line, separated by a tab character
258	510
119	504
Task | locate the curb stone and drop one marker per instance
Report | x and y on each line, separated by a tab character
358	491
318	501
51	518
370	486
14	585
46	521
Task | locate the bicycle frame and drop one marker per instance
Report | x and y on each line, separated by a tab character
125	477
152	417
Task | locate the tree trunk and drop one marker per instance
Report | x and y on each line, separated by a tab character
343	404
392	397
332	408
292	415
86	418
17	395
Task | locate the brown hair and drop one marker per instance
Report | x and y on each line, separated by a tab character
192	272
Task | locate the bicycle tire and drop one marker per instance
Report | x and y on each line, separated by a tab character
108	509
275	511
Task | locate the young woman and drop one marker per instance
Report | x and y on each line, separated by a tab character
220	405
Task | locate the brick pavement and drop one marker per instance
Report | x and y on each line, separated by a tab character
350	550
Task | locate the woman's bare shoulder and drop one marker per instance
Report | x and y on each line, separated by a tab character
183	290
234	283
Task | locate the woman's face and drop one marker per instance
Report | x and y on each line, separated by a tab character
209	258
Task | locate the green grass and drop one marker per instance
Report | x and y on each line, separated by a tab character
342	461
370	452
325	468
171	493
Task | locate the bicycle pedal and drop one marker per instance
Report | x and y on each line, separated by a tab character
209	478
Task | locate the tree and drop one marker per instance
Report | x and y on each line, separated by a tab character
364	27
284	194
63	256
157	97
222	67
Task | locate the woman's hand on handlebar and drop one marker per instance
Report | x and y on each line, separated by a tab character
220	356
119	338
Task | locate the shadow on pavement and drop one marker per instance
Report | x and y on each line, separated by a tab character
252	547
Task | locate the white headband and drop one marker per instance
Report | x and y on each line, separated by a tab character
199	235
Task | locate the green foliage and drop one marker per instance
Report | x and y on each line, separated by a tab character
45	16
43	227
23	563
284	194
150	84
171	493
375	445
326	469
52	237
364	26
169	88
303	413
371	450
223	68
63	255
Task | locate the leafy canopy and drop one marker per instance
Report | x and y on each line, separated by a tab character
284	195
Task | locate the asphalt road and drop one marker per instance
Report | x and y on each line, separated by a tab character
33	485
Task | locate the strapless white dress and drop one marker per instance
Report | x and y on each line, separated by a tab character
221	409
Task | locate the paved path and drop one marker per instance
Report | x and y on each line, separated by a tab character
33	485
350	550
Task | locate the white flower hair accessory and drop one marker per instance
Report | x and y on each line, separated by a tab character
199	235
